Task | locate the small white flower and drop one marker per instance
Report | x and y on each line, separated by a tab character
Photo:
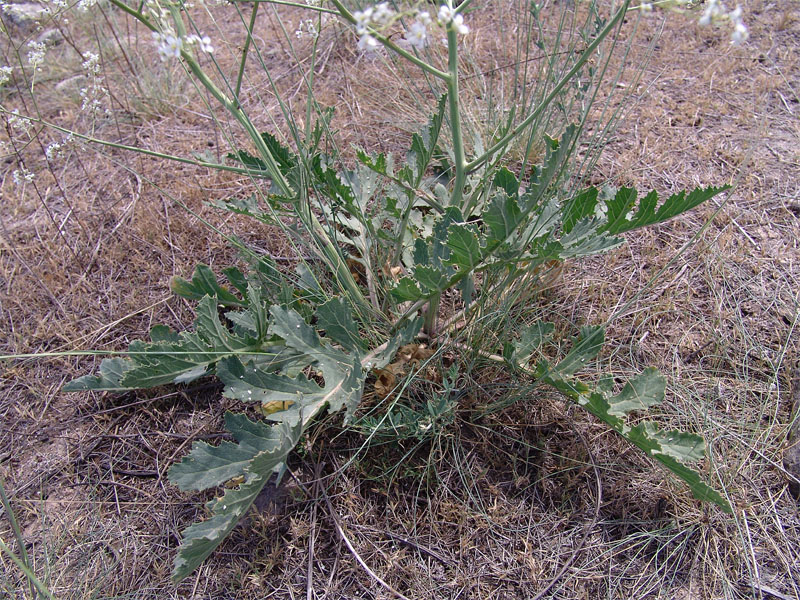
646	7
204	42
445	14
36	54
367	43
382	14
92	64
714	9
417	35
424	17
22	176
19	123
458	24
52	151
363	18
169	45
740	33
448	15
5	75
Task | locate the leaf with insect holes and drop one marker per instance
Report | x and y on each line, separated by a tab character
671	448
342	373
259	451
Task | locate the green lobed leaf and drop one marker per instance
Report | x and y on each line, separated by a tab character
622	217
336	319
204	283
532	339
507	181
587	346
341	372
406	290
431	279
465	250
268	448
108	378
502	218
167	362
579	208
670	448
261	383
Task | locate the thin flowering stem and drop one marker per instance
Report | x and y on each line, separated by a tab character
180	159
348	16
246	48
477	162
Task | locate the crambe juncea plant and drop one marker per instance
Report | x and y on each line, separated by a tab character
384	241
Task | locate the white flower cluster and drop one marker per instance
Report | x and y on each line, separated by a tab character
418	33
85	5
5	75
171	45
374	17
22	176
307	26
57	149
18	123
448	18
36	54
93	94
715	11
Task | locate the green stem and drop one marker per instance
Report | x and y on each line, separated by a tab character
431	313
180	159
26	570
554	92
455	117
246	48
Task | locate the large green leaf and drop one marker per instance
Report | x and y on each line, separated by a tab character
336	319
260	451
342	374
181	358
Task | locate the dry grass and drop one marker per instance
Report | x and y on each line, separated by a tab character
501	504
